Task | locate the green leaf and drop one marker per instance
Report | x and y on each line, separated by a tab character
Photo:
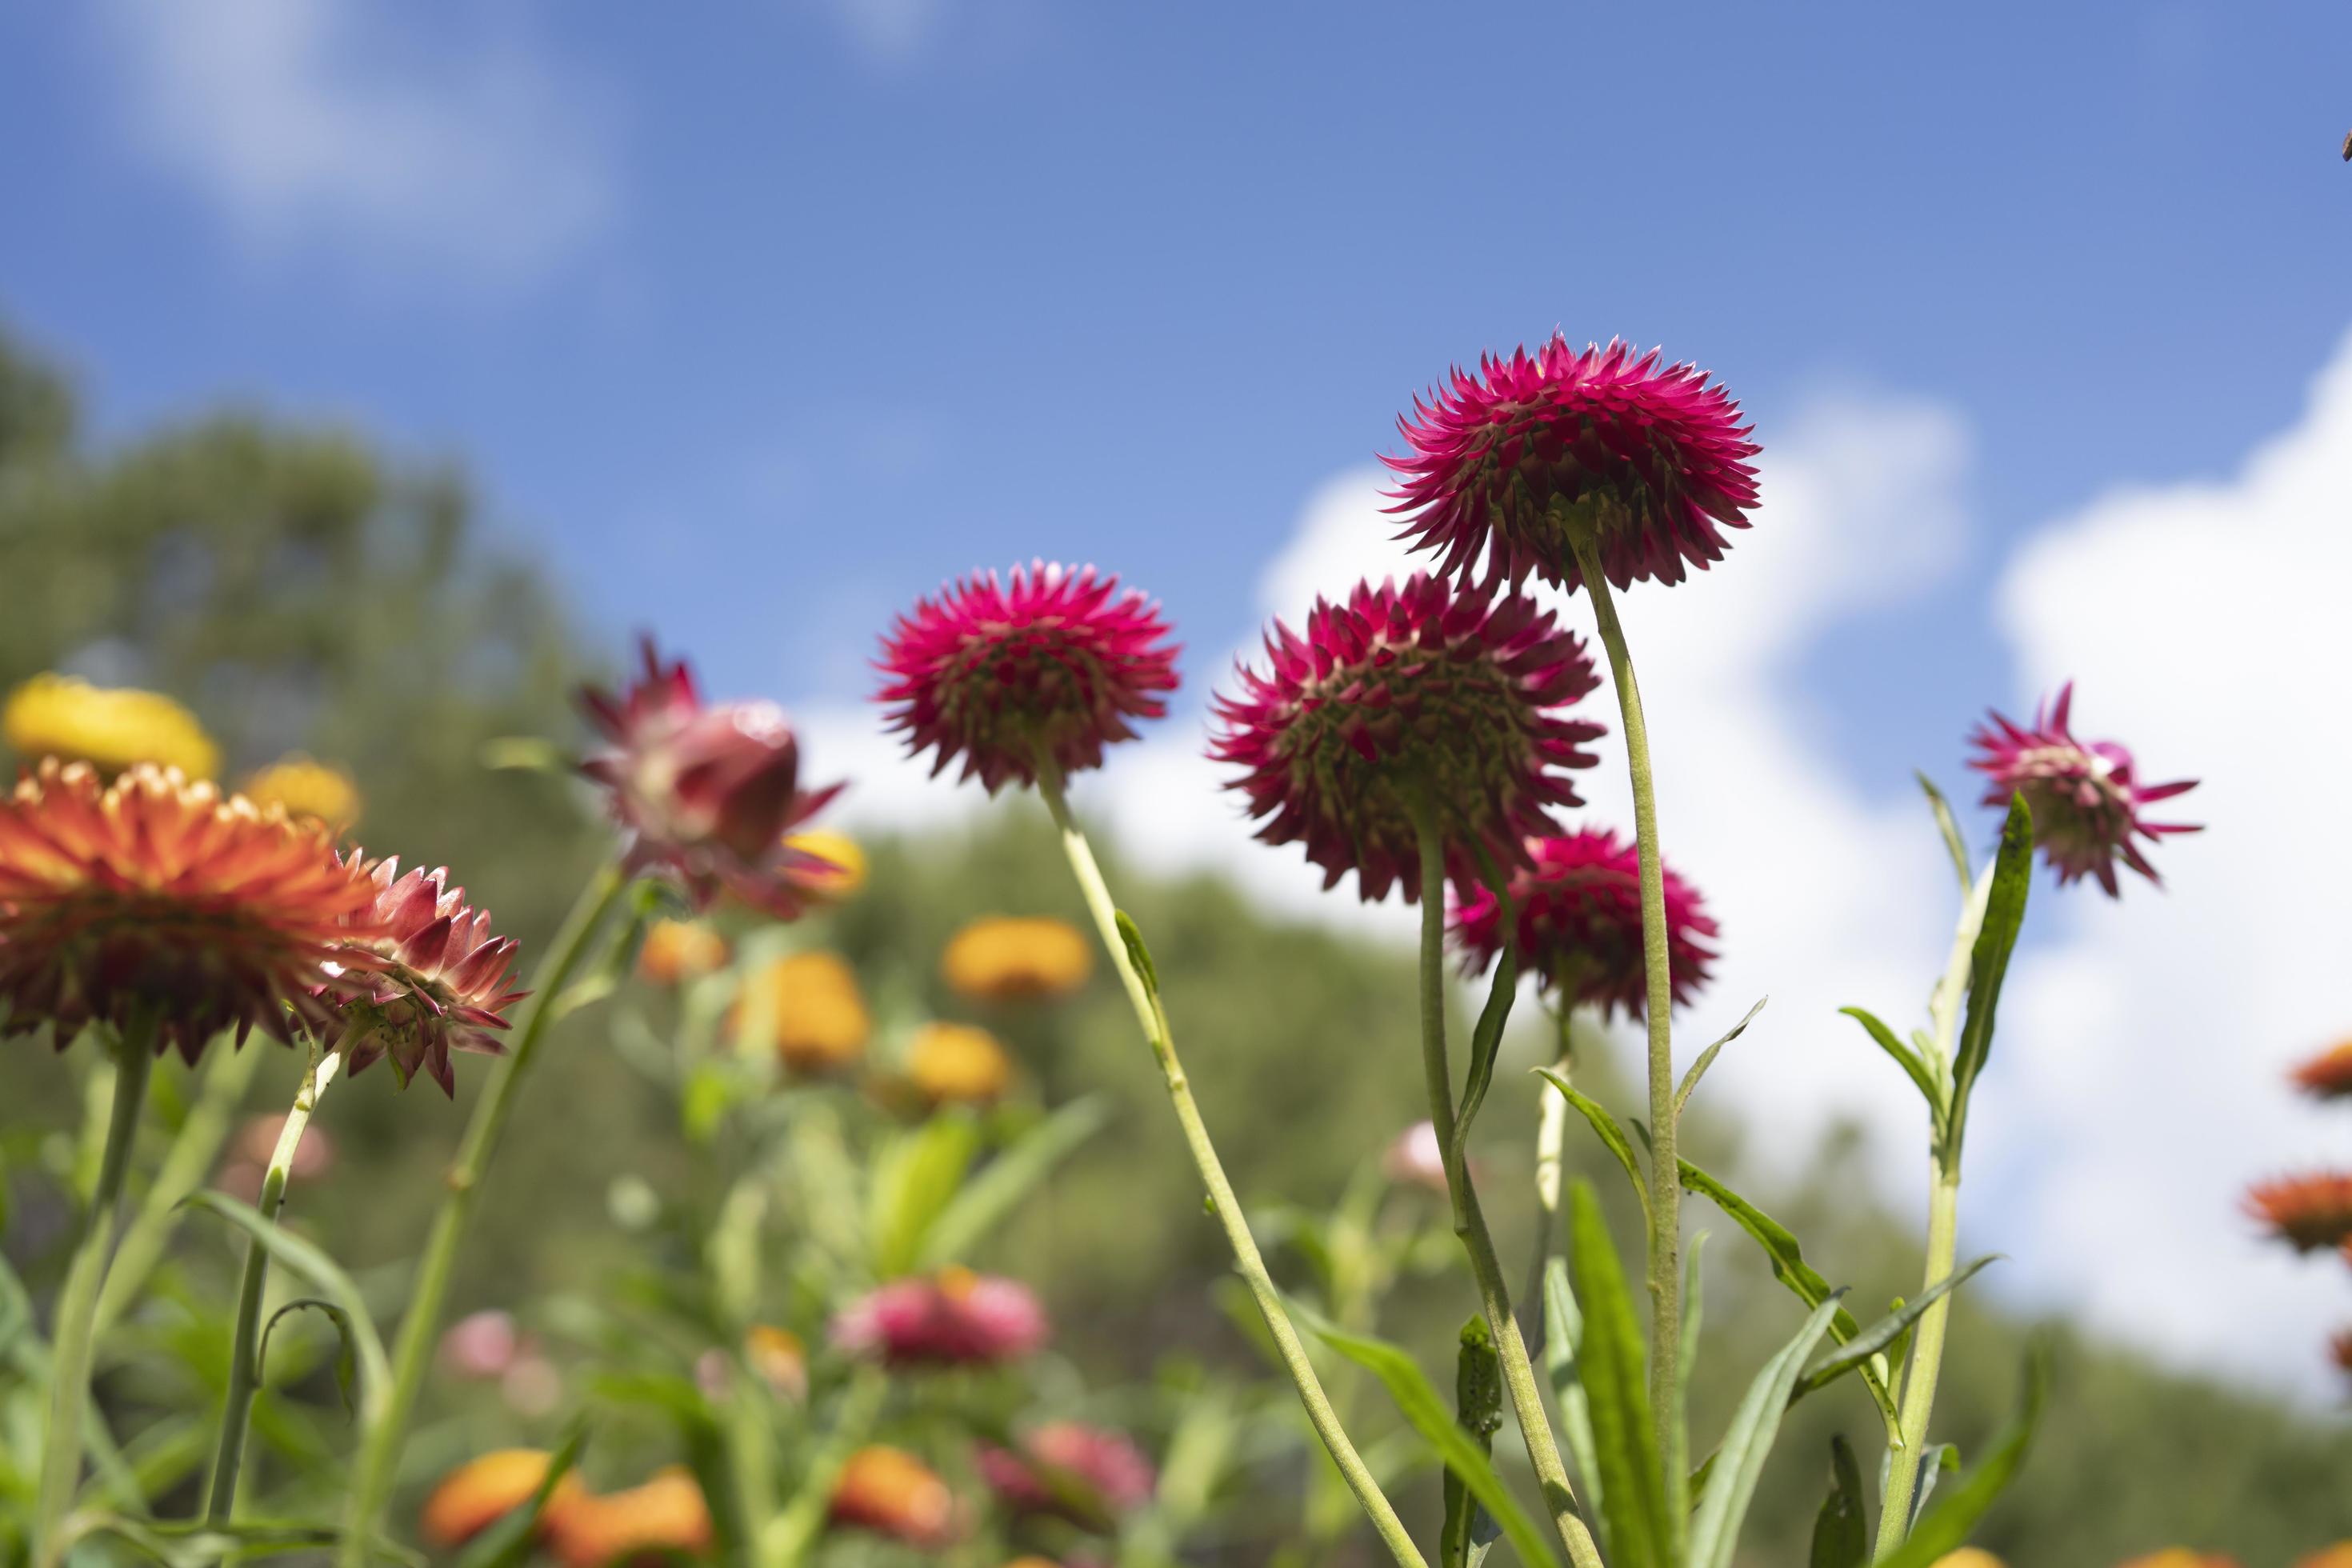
346	1353
1691	1309
2013	878
1913	1064
1789	1267
1427	1415
1138	953
312	1264
1935	1460
510	1543
1485	1044
1740	1462
1875	1339
1706	1058
1632	1490
1563	1336
915	1178
1007	1179
1606	1126
195	1543
1949	826
1477	1411
1944	1529
1842	1529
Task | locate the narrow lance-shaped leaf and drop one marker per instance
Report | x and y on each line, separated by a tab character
1936	1460
311	1264
1880	1336
2013	878
1949	826
1740	1462
1485	1044
1563	1339
914	1181
1914	1066
1706	1058
1842	1529
346	1353
1944	1528
1605	1126
511	1541
1002	1184
1632	1489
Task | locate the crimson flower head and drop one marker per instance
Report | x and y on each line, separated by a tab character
1066	1470
951	1317
1579	901
1401	697
2085	795
2310	1214
1048	662
434	979
2327	1076
1652	458
708	792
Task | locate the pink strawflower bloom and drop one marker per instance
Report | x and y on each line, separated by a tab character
1579	899
954	1316
1083	1474
481	1346
1425	688
1655	457
1049	660
435	978
2085	796
708	793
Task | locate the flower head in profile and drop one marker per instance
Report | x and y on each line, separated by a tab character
953	1318
708	794
1405	698
676	952
2310	1214
2327	1076
662	1520
2085	795
307	788
1652	458
111	728
1048	662
485	1490
151	895
1066	1470
895	1494
808	1007
1010	958
956	1064
1578	901
432	978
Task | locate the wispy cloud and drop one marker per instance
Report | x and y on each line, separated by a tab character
887	32
313	125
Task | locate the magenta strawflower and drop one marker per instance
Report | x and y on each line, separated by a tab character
1084	1475
2085	796
1654	458
951	1317
1423	692
1579	899
435	978
706	792
1050	661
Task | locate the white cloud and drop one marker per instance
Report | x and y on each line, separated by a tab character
2143	1053
314	123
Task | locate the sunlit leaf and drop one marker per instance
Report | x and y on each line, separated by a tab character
1605	1126
1740	1461
1610	1364
2012	879
1883	1335
1945	1527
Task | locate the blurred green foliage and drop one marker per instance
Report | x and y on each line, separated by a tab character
299	590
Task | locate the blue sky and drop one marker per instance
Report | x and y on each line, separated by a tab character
757	324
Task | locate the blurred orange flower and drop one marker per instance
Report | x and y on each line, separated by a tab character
480	1492
1969	1557
1005	958
678	951
666	1514
779	1359
2337	1556
2308	1213
2181	1557
811	1002
894	1494
956	1064
2327	1076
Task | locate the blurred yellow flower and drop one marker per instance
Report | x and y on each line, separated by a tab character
109	728
1005	958
779	1359
2337	1556
2181	1557
477	1493
307	788
1969	1557
844	871
956	1064
678	951
666	1515
812	1002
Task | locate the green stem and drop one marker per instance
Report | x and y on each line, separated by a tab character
1470	1220
1943	1241
1228	1208
374	1470
245	1342
73	1339
221	1089
789	1538
1551	1144
1665	1180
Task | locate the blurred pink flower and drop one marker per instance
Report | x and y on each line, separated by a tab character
952	1317
481	1345
532	1386
1414	1156
1580	915
1083	1474
2086	796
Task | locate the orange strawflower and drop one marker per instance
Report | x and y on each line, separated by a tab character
2181	1557
894	1494
678	950
1002	958
779	1359
666	1515
481	1491
1969	1557
956	1064
152	894
2327	1076
2308	1213
2337	1556
809	1005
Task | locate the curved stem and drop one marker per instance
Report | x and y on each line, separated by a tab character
73	1339
1470	1220
375	1469
245	1359
1228	1208
1665	1170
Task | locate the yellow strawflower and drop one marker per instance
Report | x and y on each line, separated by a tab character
307	788
1969	1557
955	1064
678	951
810	1001
1002	958
844	871
109	728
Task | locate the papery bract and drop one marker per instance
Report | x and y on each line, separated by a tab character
1578	901
432	978
2085	795
2310	1212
